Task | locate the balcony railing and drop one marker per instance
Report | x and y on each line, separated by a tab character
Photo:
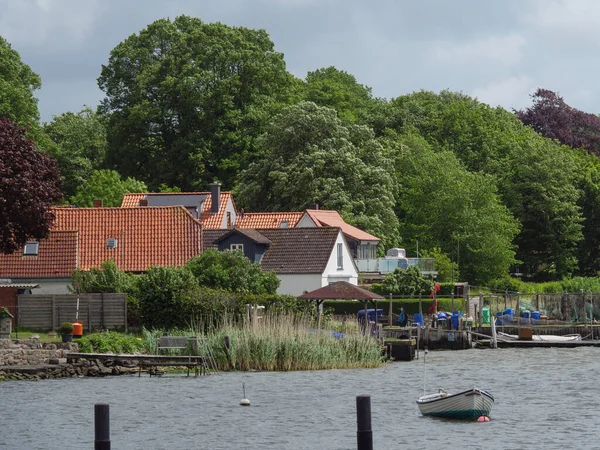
383	265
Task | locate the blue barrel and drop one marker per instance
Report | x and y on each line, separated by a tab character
499	318
418	319
535	315
526	314
455	320
442	316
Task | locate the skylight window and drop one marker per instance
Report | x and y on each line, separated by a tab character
31	248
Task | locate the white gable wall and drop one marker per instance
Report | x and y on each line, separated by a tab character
297	284
231	209
349	272
306	222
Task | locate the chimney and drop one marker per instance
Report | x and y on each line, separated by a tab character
143	202
215	197
97	203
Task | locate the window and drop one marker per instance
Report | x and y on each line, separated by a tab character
284	224
31	248
228	219
112	243
340	256
233	247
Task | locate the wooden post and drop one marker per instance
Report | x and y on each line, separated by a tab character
364	433
475	316
467	305
319	317
101	426
537	302
53	314
248	309
480	309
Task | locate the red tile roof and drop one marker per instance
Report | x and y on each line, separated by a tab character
56	258
341	290
157	236
333	219
209	220
267	219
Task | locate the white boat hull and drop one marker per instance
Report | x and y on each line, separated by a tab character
469	404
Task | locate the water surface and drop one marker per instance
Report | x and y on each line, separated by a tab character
545	399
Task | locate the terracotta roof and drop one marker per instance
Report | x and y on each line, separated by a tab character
333	219
165	236
209	220
298	250
56	258
267	219
341	290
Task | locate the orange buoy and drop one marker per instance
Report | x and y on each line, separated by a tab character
77	329
483	419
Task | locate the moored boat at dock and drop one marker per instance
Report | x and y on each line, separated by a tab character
469	404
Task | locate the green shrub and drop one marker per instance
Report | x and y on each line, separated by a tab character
66	328
110	342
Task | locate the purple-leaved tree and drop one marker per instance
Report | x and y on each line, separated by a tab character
29	184
552	117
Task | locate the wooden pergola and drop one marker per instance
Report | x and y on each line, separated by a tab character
340	290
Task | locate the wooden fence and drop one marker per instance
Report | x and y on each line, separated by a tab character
96	311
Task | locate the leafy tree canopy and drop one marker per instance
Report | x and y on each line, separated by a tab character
232	271
105	185
29	184
552	117
447	270
338	90
107	278
80	140
312	157
186	100
407	282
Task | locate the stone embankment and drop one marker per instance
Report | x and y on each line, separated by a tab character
30	359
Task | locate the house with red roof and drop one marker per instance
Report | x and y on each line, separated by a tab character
214	210
82	238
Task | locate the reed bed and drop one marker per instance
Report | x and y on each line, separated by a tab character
284	343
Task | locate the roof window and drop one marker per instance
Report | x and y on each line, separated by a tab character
112	243
31	248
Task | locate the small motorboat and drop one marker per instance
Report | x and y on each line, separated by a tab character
470	404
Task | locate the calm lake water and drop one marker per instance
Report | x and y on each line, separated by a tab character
545	399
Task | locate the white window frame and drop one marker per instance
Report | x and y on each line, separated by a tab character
340	256
31	248
233	247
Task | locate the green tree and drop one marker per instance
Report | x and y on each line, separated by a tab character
408	281
166	296
80	140
186	100
107	278
441	204
232	271
310	156
17	85
106	185
338	90
446	268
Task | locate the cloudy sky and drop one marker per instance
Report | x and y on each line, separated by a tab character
497	50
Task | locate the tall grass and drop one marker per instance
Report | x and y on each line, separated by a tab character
282	343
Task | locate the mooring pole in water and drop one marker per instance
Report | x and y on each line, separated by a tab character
101	426
364	434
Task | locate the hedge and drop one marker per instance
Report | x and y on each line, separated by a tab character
411	305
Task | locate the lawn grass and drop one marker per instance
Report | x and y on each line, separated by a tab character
27	335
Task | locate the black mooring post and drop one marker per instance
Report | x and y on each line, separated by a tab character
101	426
364	434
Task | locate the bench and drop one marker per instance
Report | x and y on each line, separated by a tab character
174	343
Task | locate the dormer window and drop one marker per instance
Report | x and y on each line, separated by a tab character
31	248
284	224
112	243
234	247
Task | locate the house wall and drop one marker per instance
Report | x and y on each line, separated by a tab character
305	222
231	209
297	284
349	273
48	286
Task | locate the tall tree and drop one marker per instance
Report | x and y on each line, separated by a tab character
338	90
29	184
312	157
441	204
186	100
552	117
80	140
106	185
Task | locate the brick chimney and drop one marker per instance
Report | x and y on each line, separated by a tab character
97	203
143	202
215	197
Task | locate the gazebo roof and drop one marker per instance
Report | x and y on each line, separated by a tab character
341	290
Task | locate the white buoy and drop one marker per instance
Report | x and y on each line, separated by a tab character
244	401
